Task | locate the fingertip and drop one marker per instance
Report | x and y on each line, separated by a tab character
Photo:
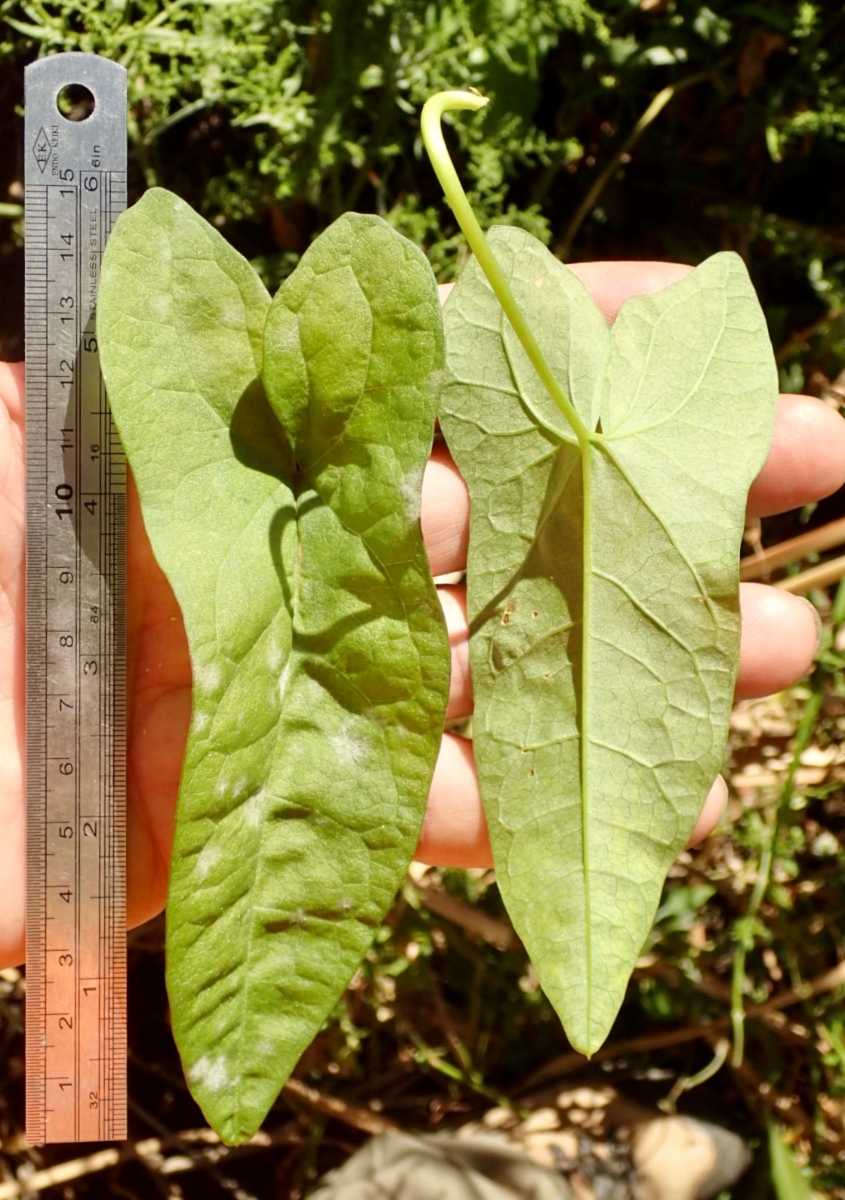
444	513
780	637
453	601
12	387
807	458
612	283
454	832
712	812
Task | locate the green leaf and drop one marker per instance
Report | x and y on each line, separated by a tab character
602	591
320	660
789	1183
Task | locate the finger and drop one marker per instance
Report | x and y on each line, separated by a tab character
454	832
780	636
807	458
806	463
712	813
612	283
12	389
13	866
12	690
453	601
445	513
159	692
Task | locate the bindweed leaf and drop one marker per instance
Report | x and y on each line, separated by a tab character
285	514
602	590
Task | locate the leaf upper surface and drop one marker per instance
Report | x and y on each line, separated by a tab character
289	531
602	591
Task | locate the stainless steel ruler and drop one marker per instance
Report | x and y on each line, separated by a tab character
75	178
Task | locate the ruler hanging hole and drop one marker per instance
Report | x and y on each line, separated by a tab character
76	102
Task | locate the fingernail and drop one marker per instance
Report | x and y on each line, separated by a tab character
816	618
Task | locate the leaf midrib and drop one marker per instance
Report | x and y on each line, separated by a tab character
587	439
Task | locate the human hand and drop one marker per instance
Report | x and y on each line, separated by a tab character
779	634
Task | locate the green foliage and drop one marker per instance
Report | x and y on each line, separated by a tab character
787	1180
603	676
316	101
272	117
287	520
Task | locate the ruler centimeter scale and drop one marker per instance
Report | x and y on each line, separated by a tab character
75	183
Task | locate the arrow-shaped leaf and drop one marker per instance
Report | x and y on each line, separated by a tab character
319	656
602	590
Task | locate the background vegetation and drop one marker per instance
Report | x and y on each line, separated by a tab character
272	118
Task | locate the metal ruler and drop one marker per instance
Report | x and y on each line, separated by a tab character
75	179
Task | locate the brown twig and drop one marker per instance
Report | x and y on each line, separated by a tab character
821	576
151	1152
565	1064
834	393
755	566
498	933
330	1106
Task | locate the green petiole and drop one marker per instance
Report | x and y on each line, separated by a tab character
432	135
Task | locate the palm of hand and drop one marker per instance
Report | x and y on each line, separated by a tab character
159	696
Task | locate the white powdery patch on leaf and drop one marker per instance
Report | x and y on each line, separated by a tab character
275	657
283	681
161	307
199	720
208	678
410	489
210	1073
350	747
253	810
207	859
227	786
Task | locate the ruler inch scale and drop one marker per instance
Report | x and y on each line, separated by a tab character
75	189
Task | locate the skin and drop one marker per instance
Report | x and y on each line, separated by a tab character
779	638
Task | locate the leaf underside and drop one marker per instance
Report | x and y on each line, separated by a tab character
602	591
285	514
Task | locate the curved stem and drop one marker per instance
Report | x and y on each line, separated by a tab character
432	135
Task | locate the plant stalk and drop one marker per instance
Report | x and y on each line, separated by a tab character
432	135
